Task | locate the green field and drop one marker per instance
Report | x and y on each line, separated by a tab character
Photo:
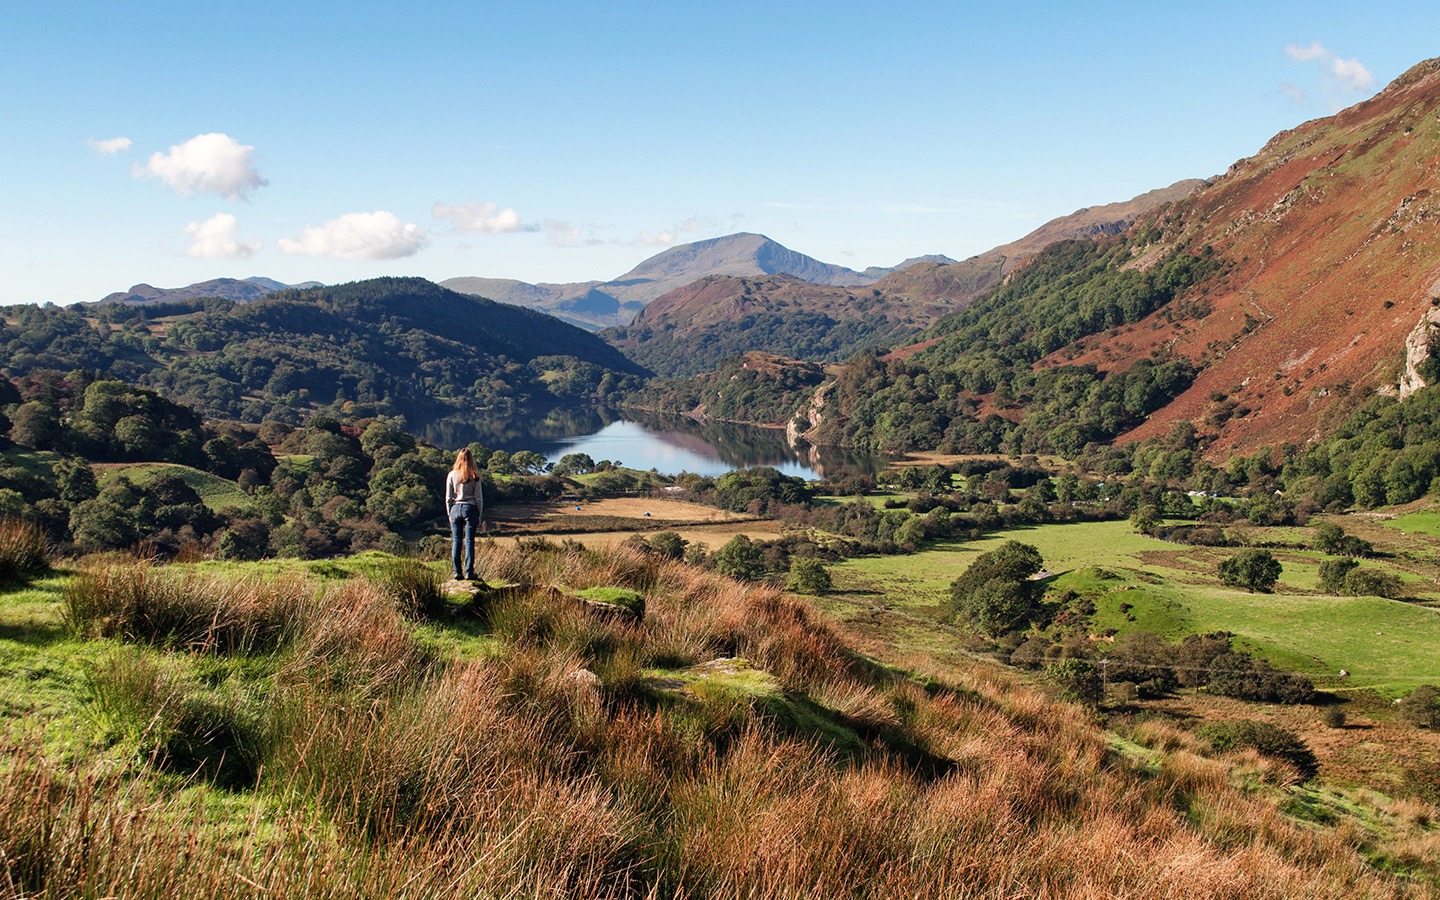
217	493
1425	522
1170	590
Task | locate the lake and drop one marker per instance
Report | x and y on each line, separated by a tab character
667	445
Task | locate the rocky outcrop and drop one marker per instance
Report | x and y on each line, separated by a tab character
1418	345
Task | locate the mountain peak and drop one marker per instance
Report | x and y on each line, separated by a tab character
743	254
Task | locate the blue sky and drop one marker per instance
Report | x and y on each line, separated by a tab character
174	142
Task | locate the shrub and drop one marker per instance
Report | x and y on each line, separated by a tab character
1333	717
667	544
740	559
1333	574
1078	678
23	551
1373	582
1244	677
1270	740
996	593
1422	706
1253	569
808	576
1145	519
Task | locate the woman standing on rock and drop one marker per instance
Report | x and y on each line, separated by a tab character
464	505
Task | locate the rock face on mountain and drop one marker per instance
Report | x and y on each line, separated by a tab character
1330	239
241	290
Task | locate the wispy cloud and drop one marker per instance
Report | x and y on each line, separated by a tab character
684	231
481	218
560	233
218	237
110	146
1316	50
366	235
1339	78
212	163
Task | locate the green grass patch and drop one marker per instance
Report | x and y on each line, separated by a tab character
217	493
1138	583
40	463
1425	522
616	596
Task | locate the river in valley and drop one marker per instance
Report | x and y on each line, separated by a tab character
667	445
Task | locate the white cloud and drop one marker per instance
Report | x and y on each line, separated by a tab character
1352	74
372	235
1305	54
206	164
218	237
483	218
1336	74
109	147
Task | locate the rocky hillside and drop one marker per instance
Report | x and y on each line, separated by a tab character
1330	244
1259	310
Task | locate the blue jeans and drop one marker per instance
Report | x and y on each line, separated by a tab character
464	521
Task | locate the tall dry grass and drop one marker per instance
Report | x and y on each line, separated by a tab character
190	610
384	772
24	551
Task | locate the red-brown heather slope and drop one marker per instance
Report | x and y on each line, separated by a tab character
1333	255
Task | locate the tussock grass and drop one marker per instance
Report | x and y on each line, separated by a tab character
414	587
553	771
190	610
24	551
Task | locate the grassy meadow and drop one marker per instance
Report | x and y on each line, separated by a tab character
343	728
217	493
1173	590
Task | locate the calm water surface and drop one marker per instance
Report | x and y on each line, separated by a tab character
669	446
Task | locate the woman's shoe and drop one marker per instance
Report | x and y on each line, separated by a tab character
472	577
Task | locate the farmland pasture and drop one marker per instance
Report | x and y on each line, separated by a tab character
1141	583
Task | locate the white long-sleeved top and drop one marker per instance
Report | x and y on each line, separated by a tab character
457	491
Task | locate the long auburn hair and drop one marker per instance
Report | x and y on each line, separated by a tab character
465	465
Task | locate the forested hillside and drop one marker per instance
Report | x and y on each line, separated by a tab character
758	388
394	346
695	328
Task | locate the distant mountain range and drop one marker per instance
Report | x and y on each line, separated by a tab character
693	328
597	304
240	290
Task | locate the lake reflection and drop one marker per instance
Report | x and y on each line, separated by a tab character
667	445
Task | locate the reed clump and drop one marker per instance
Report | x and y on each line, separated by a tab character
24	551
